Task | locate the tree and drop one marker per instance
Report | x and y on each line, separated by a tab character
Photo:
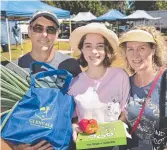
161	5
79	6
96	7
100	7
119	5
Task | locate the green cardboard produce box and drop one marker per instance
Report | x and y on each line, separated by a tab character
109	134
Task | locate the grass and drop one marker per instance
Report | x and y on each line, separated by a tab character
16	53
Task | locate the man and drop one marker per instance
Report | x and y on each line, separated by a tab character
43	32
16	31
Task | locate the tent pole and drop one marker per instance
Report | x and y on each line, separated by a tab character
70	33
160	24
7	29
70	25
21	41
117	27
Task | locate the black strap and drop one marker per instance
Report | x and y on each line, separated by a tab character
162	98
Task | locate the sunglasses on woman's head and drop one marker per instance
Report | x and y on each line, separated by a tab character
49	29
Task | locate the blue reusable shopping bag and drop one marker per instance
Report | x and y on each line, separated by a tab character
42	114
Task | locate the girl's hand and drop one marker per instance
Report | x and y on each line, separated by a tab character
43	145
122	117
76	130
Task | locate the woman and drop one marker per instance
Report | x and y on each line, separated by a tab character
107	87
144	52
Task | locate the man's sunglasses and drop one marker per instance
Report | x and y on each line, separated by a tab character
40	29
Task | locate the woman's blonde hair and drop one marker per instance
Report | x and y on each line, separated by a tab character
160	56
